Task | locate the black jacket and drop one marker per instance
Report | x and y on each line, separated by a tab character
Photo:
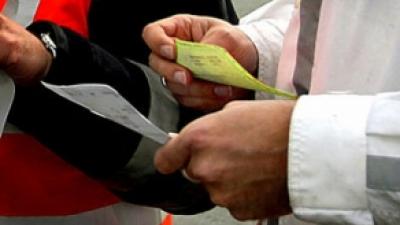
97	146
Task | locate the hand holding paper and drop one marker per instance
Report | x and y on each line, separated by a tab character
213	63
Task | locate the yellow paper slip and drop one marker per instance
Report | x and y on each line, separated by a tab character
213	63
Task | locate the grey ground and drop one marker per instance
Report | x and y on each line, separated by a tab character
243	7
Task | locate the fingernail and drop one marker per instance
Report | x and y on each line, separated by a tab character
180	77
167	51
223	91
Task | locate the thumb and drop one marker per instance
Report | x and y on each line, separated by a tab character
173	156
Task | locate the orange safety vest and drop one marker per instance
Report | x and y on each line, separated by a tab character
38	187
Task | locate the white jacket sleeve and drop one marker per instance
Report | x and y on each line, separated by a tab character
383	159
344	155
266	27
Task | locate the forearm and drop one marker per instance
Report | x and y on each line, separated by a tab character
92	143
80	61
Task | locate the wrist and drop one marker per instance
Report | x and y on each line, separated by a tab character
40	63
50	51
53	44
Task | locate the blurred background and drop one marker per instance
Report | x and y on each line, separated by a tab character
243	7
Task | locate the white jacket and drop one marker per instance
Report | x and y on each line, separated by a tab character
344	150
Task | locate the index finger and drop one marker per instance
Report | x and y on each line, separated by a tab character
159	36
173	156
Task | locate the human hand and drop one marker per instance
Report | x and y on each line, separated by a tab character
160	37
239	154
22	55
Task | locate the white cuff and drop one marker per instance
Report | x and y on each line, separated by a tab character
327	158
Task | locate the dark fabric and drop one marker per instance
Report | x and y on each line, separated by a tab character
172	193
71	131
117	25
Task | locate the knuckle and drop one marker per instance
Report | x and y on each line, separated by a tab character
204	172
198	136
162	66
220	199
233	104
152	62
225	33
2	20
185	17
147	30
158	65
248	213
14	50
